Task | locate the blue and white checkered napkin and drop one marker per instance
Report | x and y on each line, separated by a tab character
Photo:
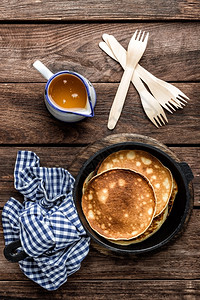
46	223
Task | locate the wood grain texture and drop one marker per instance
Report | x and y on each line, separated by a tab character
172	54
95	10
65	35
109	289
24	118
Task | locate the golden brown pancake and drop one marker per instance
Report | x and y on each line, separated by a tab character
156	223
147	165
173	196
119	204
86	181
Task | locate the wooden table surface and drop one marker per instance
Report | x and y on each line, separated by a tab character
65	35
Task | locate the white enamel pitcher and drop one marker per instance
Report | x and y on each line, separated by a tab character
72	114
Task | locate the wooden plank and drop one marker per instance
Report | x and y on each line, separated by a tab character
109	289
105	10
192	157
64	157
172	52
25	119
178	260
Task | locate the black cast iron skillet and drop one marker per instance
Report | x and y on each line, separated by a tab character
171	227
179	213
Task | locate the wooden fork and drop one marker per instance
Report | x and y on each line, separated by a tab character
169	96
150	105
136	48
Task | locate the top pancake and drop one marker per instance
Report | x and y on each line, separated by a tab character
149	166
156	223
119	204
153	228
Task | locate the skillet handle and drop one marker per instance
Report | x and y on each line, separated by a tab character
187	171
10	252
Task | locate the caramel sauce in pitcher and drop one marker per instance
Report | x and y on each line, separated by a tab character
68	92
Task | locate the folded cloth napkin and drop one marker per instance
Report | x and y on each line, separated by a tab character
46	223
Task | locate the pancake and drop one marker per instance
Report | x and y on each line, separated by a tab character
147	165
153	228
86	181
173	196
156	223
119	204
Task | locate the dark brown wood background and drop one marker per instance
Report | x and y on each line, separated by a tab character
65	35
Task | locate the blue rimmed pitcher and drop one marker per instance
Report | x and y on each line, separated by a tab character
67	114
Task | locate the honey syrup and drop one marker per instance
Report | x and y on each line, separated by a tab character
68	91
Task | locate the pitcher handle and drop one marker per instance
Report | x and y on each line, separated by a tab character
46	73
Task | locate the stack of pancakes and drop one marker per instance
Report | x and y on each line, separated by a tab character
129	197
